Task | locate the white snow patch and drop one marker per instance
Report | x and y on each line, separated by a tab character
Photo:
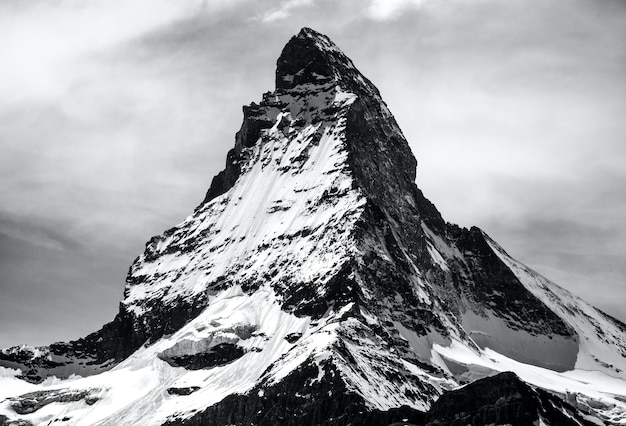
436	257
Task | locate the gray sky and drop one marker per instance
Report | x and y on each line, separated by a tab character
115	115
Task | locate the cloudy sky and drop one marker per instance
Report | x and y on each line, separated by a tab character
115	115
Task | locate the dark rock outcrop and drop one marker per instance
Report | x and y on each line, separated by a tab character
182	391
503	399
218	355
33	401
4	421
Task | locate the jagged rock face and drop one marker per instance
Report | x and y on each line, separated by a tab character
502	400
315	284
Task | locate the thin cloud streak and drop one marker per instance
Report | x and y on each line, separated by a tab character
36	233
382	10
284	11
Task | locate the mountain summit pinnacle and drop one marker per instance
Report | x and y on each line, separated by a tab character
311	57
316	285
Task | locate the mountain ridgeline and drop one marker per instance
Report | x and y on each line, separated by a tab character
315	284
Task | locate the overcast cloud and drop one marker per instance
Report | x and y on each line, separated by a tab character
115	115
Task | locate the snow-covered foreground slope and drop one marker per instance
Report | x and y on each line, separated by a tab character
136	390
147	389
316	284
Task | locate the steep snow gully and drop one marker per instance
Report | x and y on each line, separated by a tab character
315	284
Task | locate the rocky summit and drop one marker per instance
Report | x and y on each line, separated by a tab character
316	285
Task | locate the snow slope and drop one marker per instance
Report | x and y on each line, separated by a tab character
285	220
135	391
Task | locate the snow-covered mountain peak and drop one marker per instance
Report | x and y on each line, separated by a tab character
315	284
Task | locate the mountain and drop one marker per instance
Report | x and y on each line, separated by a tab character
315	284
